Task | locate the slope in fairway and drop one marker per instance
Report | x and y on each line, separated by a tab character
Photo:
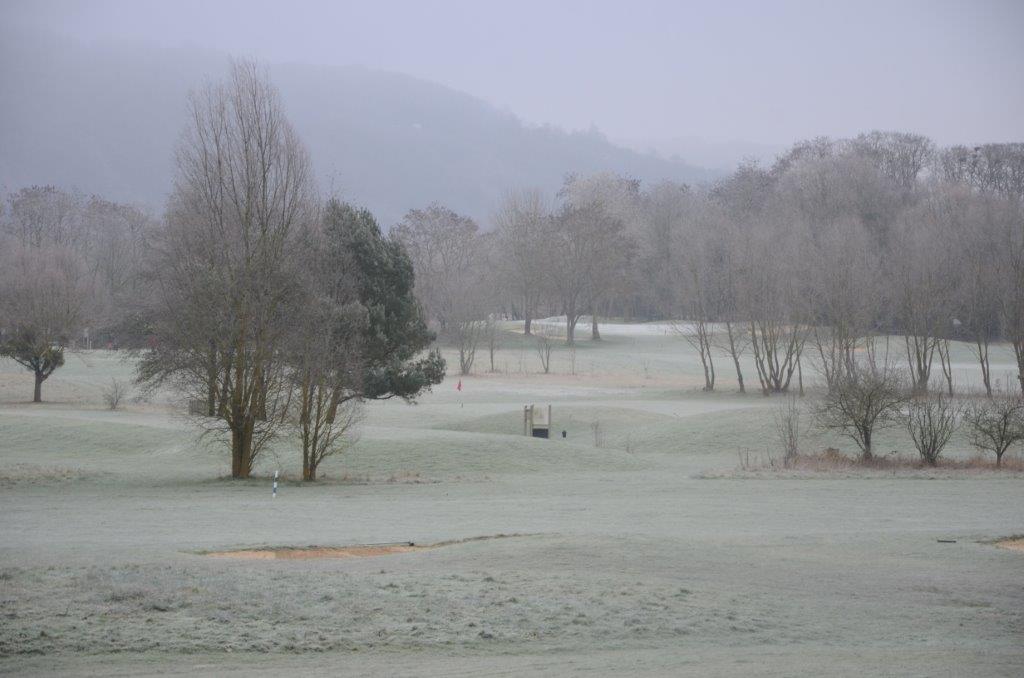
628	555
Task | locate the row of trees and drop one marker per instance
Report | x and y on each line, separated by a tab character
867	399
837	246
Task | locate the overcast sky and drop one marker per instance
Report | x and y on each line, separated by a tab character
764	72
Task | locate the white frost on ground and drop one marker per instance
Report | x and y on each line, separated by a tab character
645	552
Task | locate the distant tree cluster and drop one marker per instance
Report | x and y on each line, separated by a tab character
809	263
68	274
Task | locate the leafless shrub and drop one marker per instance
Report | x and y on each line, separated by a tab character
995	425
114	393
861	402
787	428
931	422
544	346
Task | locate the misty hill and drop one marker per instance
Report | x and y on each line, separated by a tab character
104	118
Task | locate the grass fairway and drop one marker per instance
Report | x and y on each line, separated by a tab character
630	546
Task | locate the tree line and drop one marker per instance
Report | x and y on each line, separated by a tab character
270	308
829	253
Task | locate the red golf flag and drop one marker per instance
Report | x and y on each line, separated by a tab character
458	387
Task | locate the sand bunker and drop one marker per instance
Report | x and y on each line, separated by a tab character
1016	544
354	551
290	553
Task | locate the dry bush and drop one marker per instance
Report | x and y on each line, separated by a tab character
994	425
860	403
544	347
787	428
931	422
115	393
832	460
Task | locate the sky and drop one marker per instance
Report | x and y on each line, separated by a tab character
659	74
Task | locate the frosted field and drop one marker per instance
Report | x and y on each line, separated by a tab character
635	547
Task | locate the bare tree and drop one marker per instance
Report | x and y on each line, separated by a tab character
996	424
900	156
698	290
452	271
580	236
862	401
44	215
923	286
931	421
736	339
225	273
544	346
617	200
43	302
787	428
324	350
445	250
493	335
845	275
1010	258
776	309
114	393
978	295
523	225
594	246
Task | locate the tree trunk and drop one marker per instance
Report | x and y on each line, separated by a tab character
236	453
947	364
981	343
735	358
1018	350
595	334
37	395
212	375
241	450
527	327
800	375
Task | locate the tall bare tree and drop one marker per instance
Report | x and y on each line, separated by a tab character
845	277
452	269
591	248
226	271
776	307
922	284
523	228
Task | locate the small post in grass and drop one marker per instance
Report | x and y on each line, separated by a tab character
273	494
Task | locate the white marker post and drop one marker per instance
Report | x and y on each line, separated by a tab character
274	493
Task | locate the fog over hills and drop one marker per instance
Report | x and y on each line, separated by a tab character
104	117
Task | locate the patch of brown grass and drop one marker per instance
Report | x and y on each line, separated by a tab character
1013	544
833	461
